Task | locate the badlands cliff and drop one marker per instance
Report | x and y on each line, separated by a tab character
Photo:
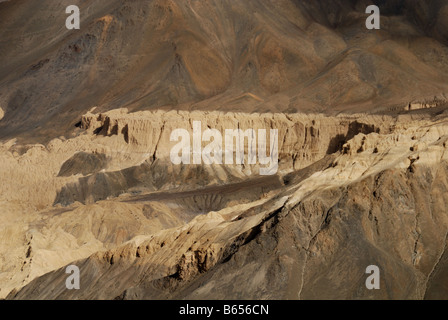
349	193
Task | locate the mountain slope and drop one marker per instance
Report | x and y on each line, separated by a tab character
264	56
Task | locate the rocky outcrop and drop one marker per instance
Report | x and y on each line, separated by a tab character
302	140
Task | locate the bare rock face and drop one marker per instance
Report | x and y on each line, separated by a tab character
86	123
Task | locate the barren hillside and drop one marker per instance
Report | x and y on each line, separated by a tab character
86	123
226	55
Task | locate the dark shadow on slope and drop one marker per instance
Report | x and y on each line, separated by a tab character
83	163
354	129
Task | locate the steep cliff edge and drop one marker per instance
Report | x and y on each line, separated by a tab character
302	140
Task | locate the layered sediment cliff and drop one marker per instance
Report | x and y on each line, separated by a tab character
360	189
